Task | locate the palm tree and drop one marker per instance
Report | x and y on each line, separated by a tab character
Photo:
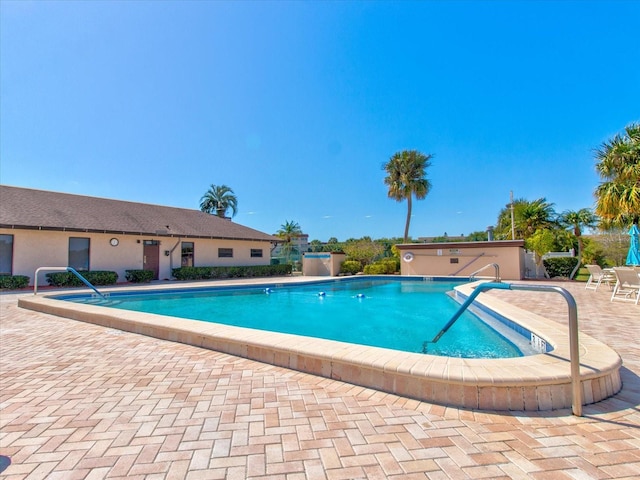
406	177
529	216
289	231
219	199
618	196
536	215
583	218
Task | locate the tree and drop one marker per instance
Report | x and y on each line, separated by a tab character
364	250
219	199
289	231
406	178
618	196
528	218
583	218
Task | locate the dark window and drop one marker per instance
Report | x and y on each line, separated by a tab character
187	254
79	253
6	254
225	253
256	252
453	260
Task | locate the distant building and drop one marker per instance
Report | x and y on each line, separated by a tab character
300	244
49	229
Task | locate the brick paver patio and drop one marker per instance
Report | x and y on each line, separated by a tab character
80	401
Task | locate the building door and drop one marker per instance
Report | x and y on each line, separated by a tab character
151	257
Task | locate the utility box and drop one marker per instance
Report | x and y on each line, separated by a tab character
322	264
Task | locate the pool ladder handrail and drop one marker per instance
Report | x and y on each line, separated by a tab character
494	265
574	351
65	269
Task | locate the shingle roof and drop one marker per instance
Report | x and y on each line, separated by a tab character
39	209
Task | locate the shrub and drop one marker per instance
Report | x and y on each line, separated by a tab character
138	276
13	282
95	277
212	273
385	266
350	266
560	266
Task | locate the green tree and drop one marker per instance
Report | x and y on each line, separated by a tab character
364	250
218	199
316	246
529	216
288	232
618	164
577	220
406	178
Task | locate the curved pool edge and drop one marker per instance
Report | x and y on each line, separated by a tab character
532	383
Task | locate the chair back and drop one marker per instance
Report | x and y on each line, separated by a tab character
627	276
594	270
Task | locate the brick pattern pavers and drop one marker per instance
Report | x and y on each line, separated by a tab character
80	401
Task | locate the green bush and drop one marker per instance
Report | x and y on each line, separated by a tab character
560	266
94	277
351	267
138	276
212	273
13	282
385	266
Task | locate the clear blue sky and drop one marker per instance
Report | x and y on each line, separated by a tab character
296	105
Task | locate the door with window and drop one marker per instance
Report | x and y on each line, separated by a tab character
151	257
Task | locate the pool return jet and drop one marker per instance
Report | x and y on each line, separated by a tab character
576	386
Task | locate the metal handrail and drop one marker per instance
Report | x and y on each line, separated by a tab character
64	269
494	265
574	352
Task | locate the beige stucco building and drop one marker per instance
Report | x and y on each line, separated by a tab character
49	229
463	258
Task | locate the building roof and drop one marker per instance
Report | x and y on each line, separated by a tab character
24	208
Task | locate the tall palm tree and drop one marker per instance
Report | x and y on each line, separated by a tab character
583	218
289	231
406	178
218	199
618	196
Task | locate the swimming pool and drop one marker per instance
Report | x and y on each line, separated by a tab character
533	382
398	313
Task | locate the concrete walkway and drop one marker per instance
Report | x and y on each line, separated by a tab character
78	401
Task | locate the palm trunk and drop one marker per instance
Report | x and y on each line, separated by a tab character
406	226
575	269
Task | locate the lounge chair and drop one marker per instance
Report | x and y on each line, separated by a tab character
627	286
597	276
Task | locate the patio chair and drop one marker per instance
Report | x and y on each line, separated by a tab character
627	286
597	276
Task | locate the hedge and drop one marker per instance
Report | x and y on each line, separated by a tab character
138	276
560	266
94	277
350	266
383	267
213	273
13	282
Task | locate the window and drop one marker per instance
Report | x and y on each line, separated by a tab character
225	253
79	253
256	253
187	254
6	254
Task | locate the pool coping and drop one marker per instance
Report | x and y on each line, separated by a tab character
535	382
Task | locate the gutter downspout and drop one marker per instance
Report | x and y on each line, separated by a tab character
171	254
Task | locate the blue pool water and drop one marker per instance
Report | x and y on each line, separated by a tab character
396	314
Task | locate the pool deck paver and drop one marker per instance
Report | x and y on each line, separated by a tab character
80	401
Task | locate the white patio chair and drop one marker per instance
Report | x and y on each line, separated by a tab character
597	276
627	286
